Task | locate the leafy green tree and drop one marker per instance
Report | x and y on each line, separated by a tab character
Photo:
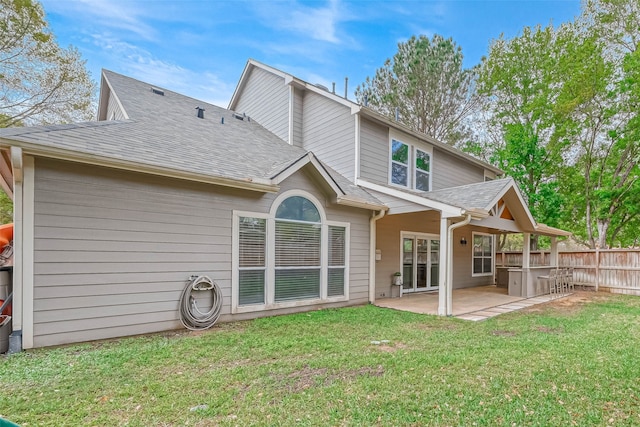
425	80
601	97
40	82
518	82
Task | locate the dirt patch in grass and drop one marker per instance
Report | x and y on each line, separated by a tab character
308	377
502	333
548	330
392	347
571	303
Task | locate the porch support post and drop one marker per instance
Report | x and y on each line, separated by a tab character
526	264
553	257
372	254
526	250
442	279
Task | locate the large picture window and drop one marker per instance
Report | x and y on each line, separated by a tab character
482	254
291	257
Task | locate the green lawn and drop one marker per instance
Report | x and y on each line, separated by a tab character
571	364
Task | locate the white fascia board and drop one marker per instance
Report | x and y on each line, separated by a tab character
253	184
363	204
551	231
447	211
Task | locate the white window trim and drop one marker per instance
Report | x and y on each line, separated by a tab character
270	303
493	254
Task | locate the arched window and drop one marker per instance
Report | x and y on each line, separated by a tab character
292	256
298	247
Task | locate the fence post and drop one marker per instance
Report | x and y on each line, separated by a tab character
597	267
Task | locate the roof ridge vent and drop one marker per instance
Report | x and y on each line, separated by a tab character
157	91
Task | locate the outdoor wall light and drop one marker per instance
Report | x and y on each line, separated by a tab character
463	241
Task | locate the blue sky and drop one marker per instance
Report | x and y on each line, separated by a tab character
199	48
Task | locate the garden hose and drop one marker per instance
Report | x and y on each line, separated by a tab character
190	315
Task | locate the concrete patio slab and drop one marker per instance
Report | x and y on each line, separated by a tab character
474	304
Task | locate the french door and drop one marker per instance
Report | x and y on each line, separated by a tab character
420	260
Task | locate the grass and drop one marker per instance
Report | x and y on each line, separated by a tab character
568	363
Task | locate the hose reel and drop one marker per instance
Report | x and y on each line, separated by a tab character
190	315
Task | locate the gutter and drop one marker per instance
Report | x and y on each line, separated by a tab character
449	264
372	254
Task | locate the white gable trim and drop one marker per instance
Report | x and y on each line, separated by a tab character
115	96
308	158
501	194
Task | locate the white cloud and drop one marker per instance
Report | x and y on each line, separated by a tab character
119	15
140	64
318	23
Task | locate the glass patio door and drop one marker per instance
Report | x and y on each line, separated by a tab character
420	263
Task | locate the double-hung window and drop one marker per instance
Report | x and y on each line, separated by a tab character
399	163
291	257
410	167
423	170
482	254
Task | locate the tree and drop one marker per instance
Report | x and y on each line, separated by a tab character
518	83
428	85
602	96
40	82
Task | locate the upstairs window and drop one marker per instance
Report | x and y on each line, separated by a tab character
399	163
423	170
410	167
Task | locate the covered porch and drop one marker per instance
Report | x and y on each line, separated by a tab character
439	248
476	303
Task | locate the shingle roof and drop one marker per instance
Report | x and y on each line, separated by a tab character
164	131
481	195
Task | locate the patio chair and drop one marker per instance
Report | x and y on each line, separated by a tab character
570	281
553	281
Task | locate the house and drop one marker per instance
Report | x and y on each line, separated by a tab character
292	199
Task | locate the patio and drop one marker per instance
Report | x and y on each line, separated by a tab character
478	303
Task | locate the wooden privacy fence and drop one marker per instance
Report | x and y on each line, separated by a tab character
617	270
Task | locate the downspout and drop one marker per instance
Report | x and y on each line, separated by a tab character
372	254
449	263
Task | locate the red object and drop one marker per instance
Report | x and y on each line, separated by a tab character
6	234
7	310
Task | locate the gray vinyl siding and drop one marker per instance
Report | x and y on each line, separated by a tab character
388	230
463	260
114	112
374	152
114	249
298	112
329	132
450	171
265	99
